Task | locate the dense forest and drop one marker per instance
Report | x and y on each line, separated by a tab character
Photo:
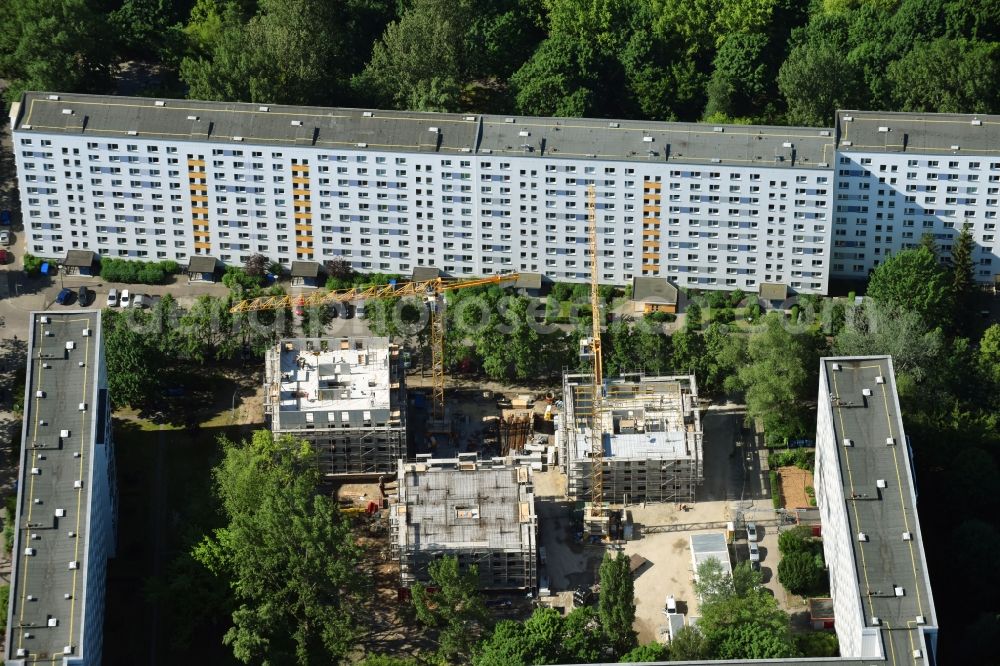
761	61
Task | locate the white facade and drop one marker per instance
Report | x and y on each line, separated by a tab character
720	207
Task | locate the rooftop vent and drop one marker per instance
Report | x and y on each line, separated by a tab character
265	109
132	133
296	123
36	470
716	160
54	98
39	394
846	143
470	117
524	133
647	139
31	597
433	129
83	406
836	366
898	590
977	122
508	120
159	102
862	537
78	484
21	652
848	442
67	112
53	622
848	119
29	551
192	117
614	125
86	332
60	513
876	622
824	132
74	564
237	138
46	366
786	144
361	145
880	483
866	392
883	128
718	129
26	126
907	536
890	441
921	619
367	114
917	654
68	649
880	380
45	320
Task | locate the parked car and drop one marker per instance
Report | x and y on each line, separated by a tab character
83	296
752	532
582	595
5	237
141	301
4	217
126	298
4	256
65	296
113	298
754	553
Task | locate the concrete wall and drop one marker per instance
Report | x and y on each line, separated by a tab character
837	547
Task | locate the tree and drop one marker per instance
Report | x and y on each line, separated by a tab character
947	76
962	275
801	572
796	540
646	652
692	317
54	45
561	79
255	265
416	63
779	376
741	76
914	281
878	328
452	605
133	364
712	584
815	81
689	645
288	558
989	353
616	605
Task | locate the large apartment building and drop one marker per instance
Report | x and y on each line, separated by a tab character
717	207
67	496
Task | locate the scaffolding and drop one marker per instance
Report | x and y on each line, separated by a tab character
346	396
650	431
480	512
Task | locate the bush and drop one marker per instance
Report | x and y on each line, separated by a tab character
736	298
797	540
801	573
795	313
660	317
32	265
850	297
693	317
137	272
801	458
718	299
752	312
775	489
723	316
5	600
811	492
561	291
236	277
818	644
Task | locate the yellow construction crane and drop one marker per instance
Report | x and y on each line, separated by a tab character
433	290
596	434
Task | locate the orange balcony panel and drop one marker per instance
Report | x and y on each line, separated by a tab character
304	250
203	246
199	211
304	239
300	180
302	216
201	233
653	233
651	256
300	167
199	198
302	203
652	186
303	227
651	209
200	163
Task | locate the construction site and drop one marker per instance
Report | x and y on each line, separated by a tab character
650	434
347	396
482	512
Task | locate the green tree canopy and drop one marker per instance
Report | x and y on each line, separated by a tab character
914	281
452	606
947	76
289	559
616	605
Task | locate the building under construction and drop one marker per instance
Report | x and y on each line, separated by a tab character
482	512
345	395
651	434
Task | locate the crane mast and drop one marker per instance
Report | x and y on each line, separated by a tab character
596	430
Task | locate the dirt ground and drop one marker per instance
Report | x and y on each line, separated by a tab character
793	487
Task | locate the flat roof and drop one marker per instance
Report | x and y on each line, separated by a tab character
886	560
54	485
773	291
653	290
464	505
305	269
348	374
935	133
80	258
710	546
201	264
233	124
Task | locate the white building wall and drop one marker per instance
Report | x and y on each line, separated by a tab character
885	202
714	227
837	548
